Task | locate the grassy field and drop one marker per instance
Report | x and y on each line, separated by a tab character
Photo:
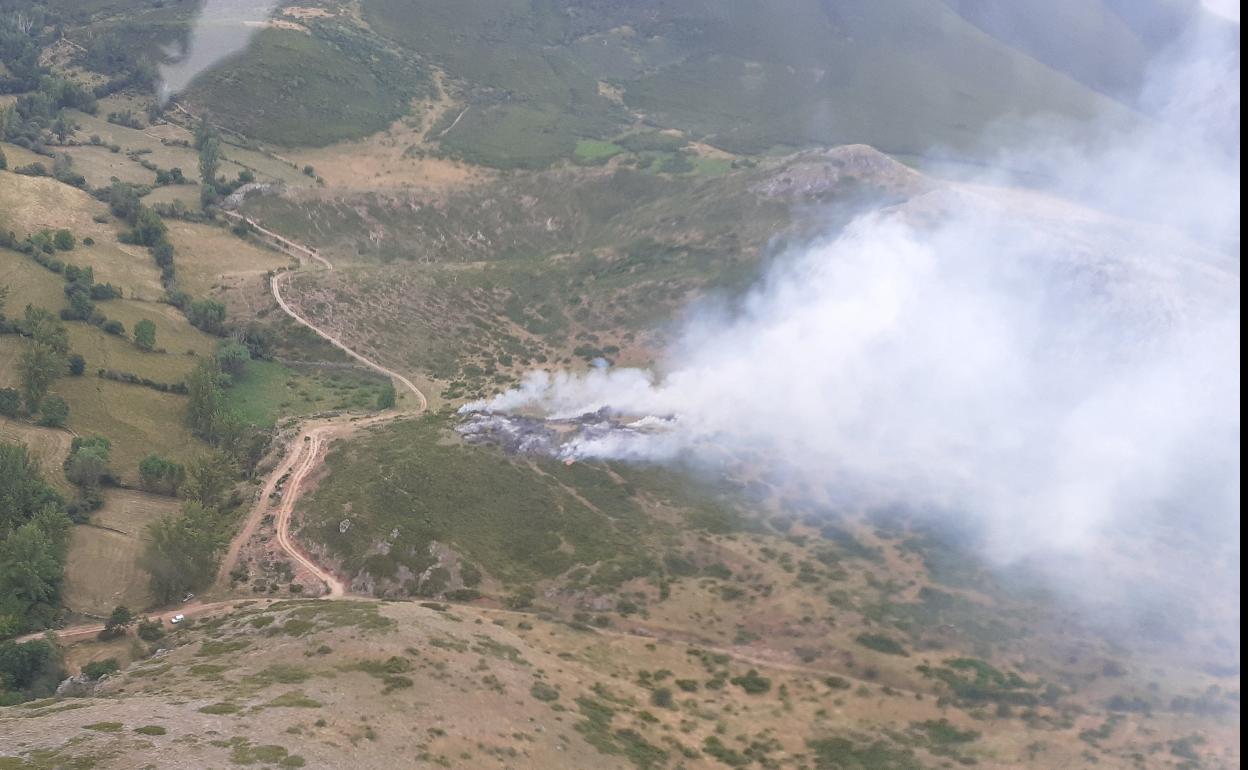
29	283
103	570
101	166
739	76
206	253
500	513
49	445
137	420
31	204
268	391
303	90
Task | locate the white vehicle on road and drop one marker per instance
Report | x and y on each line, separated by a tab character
176	619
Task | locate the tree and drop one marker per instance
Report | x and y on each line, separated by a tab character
4	162
158	474
64	240
10	402
54	411
77	365
233	357
385	399
28	670
150	630
209	161
39	366
46	328
145	334
206	404
31	571
88	461
149	228
181	553
118	621
207	315
123	201
209	478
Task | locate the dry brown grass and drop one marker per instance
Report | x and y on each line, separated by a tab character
30	204
29	283
49	445
102	167
205	254
103	570
137	420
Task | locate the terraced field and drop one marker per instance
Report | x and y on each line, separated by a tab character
103	567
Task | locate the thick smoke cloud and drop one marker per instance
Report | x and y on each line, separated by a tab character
1063	374
222	29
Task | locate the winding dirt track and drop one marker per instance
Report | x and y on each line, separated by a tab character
304	452
302	456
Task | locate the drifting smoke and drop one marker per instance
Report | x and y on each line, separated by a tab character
222	29
1058	373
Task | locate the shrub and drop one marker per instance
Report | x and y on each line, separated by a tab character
544	692
98	668
10	402
115	327
150	630
77	365
881	643
54	412
752	683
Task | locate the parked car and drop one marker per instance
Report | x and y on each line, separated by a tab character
176	619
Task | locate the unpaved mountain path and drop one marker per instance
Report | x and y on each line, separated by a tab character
304	451
303	454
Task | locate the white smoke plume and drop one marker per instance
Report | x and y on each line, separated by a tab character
1060	373
222	29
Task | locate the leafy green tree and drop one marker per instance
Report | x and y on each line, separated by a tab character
54	411
77	365
28	670
10	402
209	478
123	201
207	315
118	621
88	461
64	240
233	357
39	365
149	228
31	572
47	329
182	551
206	405
157	474
385	399
145	334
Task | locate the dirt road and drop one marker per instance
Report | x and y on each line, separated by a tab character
303	454
304	451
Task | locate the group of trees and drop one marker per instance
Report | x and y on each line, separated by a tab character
157	474
34	538
28	670
183	551
41	363
87	467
